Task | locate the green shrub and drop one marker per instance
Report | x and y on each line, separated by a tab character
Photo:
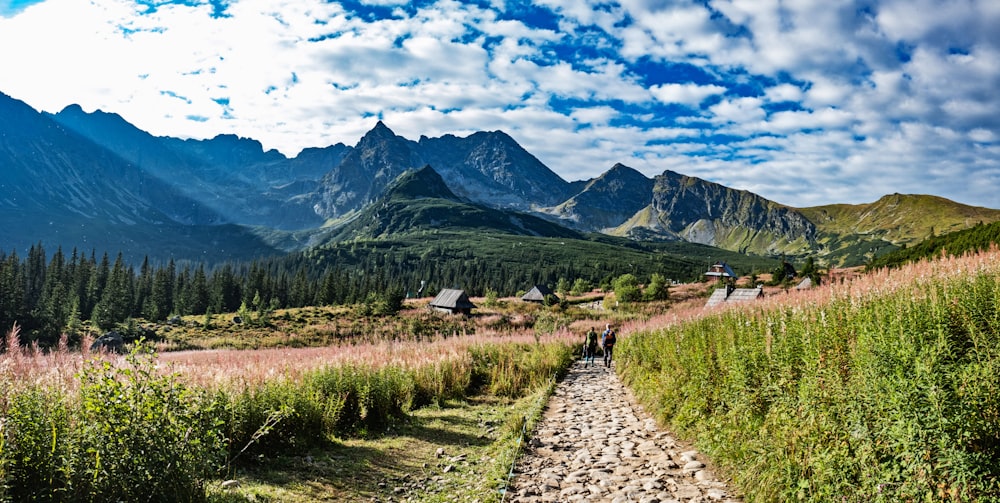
33	446
140	435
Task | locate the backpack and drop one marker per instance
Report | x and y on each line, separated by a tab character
609	338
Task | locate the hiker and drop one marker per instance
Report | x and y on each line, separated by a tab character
608	339
590	347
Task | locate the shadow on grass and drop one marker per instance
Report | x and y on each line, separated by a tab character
404	461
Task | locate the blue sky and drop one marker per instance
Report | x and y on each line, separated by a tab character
803	102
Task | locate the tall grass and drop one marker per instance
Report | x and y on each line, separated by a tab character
883	389
79	428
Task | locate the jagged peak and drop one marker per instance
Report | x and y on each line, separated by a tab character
379	131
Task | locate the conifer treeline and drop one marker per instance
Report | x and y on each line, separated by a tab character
974	239
51	296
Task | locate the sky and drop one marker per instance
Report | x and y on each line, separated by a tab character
803	102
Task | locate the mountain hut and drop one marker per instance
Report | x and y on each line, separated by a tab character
731	294
721	271
452	301
537	294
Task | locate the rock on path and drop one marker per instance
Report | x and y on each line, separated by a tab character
594	445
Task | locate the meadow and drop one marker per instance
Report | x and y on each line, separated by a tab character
884	388
880	387
96	427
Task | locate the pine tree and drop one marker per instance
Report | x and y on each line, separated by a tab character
11	293
115	305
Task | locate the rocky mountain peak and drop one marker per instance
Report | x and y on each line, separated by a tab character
379	132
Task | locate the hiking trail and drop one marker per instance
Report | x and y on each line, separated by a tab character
596	444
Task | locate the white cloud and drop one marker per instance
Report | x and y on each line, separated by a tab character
741	111
685	94
833	102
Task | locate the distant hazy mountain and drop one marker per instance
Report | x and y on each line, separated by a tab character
72	171
233	176
59	188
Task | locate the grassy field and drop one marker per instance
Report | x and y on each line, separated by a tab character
434	415
880	387
885	388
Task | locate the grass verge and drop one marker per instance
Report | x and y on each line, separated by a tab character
460	451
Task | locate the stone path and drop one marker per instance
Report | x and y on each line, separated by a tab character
594	444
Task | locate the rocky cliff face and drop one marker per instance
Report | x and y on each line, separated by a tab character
491	168
365	172
606	201
698	211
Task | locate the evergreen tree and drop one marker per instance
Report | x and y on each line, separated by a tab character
300	294
115	305
34	277
11	293
180	290
197	293
225	289
143	289
53	308
327	295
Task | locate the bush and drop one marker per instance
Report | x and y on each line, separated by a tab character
33	443
626	288
143	436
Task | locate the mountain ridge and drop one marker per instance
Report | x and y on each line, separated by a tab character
304	200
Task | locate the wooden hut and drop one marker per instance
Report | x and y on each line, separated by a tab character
452	301
537	294
731	294
721	271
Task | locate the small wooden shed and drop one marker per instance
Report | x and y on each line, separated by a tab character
452	301
537	294
729	294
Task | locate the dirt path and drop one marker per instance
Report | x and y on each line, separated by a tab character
595	444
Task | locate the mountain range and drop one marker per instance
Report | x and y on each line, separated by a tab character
93	180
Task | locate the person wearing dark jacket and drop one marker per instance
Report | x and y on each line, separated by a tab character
590	347
608	339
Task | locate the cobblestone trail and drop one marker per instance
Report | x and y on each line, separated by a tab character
594	444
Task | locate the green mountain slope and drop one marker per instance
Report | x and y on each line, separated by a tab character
419	200
978	238
421	232
854	234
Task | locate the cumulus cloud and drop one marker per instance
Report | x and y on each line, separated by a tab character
807	102
685	94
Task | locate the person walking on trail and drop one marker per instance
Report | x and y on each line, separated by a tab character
608	339
590	347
